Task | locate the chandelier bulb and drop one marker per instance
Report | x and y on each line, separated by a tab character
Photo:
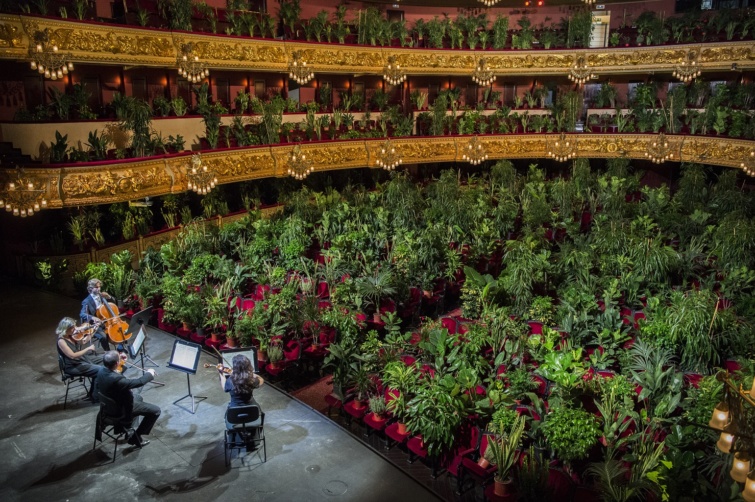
33	65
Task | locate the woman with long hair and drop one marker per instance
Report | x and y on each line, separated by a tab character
75	354
240	384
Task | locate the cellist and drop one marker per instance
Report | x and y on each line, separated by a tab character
89	307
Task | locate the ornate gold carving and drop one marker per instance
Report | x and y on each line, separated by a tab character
130	45
10	35
74	186
111	185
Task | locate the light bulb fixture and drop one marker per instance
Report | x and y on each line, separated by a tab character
482	74
22	197
748	493
46	58
563	149
392	72
725	440
475	152
580	72
387	157
688	69
740	467
189	65
659	150
489	3
200	178
298	69
589	2
748	166
299	166
720	418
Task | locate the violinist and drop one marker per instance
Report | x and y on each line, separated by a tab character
241	383
77	361
89	307
114	385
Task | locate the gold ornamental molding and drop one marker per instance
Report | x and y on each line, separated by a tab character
91	42
108	182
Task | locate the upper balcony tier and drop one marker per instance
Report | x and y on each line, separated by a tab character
102	43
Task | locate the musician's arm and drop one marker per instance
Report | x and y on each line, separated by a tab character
70	353
222	379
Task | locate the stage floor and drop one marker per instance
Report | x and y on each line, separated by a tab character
46	451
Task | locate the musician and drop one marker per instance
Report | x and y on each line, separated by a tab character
114	385
241	383
89	306
78	362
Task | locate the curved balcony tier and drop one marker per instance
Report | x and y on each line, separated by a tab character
105	182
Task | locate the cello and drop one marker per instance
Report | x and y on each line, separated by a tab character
113	325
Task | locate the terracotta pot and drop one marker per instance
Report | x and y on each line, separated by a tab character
483	463
358	405
185	326
231	342
502	488
262	355
401	428
215	337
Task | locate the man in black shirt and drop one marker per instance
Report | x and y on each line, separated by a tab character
114	385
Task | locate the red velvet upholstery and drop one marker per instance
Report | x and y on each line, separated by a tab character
372	422
561	484
392	432
356	409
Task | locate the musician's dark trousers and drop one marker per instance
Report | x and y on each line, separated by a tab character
102	337
150	412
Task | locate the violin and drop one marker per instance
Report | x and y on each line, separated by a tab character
225	369
115	327
84	331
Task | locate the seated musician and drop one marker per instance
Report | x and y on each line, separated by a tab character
77	361
114	385
241	383
89	306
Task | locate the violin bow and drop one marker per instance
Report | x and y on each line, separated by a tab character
221	357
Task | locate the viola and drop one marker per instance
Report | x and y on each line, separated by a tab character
114	326
83	331
225	369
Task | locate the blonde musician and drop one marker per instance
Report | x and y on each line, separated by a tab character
77	361
89	307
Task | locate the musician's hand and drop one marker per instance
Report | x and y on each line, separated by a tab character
95	319
152	372
106	295
90	348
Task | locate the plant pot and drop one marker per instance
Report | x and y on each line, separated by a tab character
185	326
215	337
503	488
483	463
262	355
401	428
231	342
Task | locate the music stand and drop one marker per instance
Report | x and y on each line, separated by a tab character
139	320
185	357
137	347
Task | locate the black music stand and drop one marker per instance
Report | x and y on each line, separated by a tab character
139	320
185	357
137	347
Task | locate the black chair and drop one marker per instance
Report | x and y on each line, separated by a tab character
111	423
248	431
68	380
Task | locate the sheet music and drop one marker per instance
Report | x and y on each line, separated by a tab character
136	345
184	356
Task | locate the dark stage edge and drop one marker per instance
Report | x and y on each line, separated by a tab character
46	451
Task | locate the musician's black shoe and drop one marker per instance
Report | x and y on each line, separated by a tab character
136	440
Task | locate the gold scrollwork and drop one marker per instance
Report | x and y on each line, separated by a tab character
10	36
109	184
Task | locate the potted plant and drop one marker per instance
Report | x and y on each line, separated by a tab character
216	309
378	407
274	355
570	433
503	451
